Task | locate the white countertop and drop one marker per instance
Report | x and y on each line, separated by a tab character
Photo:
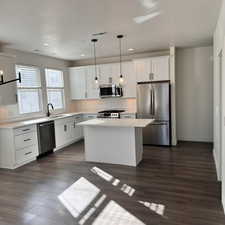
117	122
22	123
17	124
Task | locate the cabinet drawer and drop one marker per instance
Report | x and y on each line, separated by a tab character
25	154
24	130
25	140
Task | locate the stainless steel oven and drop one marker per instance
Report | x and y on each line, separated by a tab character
110	91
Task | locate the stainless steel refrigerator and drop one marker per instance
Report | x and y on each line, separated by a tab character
153	102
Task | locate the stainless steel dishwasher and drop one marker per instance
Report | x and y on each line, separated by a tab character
46	137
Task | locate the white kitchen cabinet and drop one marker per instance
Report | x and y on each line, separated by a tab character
92	88
18	146
142	69
152	69
8	92
78	83
67	132
105	72
129	83
160	68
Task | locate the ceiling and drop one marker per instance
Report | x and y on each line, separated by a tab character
67	26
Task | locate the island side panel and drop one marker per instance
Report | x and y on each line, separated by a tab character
115	145
139	144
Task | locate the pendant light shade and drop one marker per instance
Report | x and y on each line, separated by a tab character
121	74
94	45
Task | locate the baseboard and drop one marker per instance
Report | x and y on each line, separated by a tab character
67	144
217	165
223	205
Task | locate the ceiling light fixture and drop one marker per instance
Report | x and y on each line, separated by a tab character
121	75
82	55
94	45
46	44
130	49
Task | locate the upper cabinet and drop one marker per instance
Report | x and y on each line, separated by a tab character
78	83
129	83
152	69
82	83
8	91
82	79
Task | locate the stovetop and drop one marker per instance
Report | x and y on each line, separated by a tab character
112	111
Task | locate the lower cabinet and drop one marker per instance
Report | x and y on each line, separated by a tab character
67	132
18	146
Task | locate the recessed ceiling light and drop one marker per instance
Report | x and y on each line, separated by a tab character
46	44
130	49
82	55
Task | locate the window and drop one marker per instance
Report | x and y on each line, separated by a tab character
55	88
29	90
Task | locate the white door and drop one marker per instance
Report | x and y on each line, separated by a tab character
78	82
142	69
129	83
92	86
160	68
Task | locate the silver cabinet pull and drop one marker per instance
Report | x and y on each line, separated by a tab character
28	139
65	128
28	153
25	130
74	125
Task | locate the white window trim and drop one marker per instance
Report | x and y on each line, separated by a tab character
56	88
40	92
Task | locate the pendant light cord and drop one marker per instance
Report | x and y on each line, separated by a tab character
95	61
120	59
120	37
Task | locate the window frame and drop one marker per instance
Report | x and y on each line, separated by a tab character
38	88
62	89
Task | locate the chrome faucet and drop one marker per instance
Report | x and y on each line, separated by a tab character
48	113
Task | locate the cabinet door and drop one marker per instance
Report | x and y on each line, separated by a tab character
8	91
160	68
61	134
92	87
105	72
115	67
78	82
142	69
129	83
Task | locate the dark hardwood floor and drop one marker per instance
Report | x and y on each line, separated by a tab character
183	179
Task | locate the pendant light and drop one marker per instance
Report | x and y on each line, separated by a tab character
121	75
94	42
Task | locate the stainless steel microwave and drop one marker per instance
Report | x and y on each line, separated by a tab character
110	91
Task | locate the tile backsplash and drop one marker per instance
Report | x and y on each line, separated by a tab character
103	104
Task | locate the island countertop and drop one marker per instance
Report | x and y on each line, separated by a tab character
141	123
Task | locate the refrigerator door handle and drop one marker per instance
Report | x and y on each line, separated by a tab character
153	102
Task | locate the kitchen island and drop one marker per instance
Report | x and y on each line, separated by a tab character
115	141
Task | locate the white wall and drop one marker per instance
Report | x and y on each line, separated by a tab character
194	82
219	108
25	58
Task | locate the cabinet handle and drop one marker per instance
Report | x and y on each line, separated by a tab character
74	125
28	153
25	130
28	139
65	128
